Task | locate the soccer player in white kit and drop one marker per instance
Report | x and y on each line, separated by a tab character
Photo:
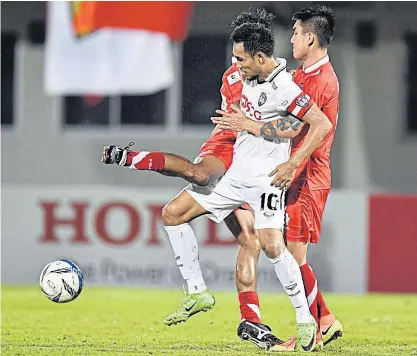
269	94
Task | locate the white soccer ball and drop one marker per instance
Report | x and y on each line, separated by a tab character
61	281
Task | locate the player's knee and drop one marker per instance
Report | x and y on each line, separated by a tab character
272	243
271	250
171	214
197	174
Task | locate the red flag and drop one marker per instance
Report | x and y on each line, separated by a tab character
170	17
113	47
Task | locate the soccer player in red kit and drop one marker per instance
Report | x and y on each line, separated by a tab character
311	181
307	196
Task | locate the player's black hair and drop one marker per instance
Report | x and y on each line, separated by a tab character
255	38
319	19
260	16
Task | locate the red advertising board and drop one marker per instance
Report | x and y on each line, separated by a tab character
392	263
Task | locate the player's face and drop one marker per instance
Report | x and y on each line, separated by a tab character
248	65
300	41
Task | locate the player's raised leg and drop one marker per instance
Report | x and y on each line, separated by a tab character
241	224
178	212
176	215
169	164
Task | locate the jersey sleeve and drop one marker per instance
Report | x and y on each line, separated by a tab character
293	100
231	89
326	95
318	91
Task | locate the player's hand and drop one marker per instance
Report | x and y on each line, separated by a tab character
235	121
284	174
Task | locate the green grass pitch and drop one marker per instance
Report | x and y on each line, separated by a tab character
118	321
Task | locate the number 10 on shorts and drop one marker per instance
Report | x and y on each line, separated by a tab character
272	201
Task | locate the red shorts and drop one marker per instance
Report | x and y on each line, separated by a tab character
305	209
220	145
223	152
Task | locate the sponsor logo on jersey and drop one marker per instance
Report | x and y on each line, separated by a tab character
262	99
274	86
248	107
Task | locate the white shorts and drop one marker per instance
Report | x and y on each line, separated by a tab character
267	203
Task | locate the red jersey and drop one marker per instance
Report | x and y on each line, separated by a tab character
320	82
230	91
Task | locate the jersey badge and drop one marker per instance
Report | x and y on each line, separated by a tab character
262	99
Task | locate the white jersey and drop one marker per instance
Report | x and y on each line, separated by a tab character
254	158
272	99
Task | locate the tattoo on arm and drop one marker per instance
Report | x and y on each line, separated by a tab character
268	130
272	129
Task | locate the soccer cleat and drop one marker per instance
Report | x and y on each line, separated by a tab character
257	333
115	155
190	305
306	336
332	332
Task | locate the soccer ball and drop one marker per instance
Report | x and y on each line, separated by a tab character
61	281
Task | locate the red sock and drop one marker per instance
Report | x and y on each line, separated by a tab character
310	285
146	161
323	310
249	306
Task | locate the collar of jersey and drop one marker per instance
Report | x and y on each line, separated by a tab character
316	65
282	65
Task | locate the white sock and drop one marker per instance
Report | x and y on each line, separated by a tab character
185	248
289	274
